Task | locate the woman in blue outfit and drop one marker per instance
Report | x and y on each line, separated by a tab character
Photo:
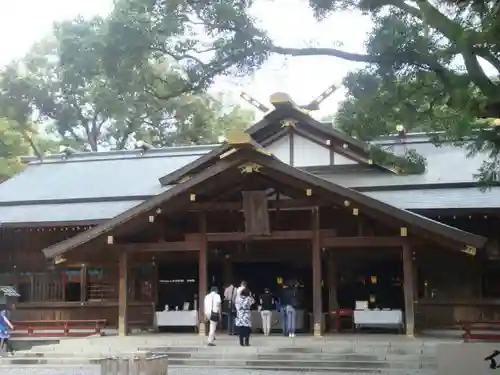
5	328
244	316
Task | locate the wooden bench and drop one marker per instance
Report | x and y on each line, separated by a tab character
480	330
58	328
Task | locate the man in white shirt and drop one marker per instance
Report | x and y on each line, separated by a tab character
212	312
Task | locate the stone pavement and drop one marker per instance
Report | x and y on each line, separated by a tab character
94	370
115	345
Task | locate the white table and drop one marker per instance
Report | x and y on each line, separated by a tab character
176	318
378	318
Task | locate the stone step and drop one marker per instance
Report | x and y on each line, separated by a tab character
302	363
340	349
243	353
239	363
326	370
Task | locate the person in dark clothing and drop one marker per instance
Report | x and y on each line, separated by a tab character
291	301
267	304
282	308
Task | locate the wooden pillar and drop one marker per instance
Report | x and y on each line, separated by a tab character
83	283
409	289
316	274
122	293
202	273
227	270
332	277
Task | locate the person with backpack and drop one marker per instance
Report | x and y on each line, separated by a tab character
228	307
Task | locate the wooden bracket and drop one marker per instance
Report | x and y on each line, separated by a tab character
288	123
469	250
59	259
249	168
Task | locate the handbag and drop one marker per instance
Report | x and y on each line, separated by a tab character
214	316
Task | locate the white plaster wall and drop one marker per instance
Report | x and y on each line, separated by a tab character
281	149
342	160
307	153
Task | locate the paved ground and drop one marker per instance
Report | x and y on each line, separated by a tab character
93	370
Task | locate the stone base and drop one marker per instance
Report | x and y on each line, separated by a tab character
317	329
202	329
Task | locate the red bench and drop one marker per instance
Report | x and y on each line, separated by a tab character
480	330
58	328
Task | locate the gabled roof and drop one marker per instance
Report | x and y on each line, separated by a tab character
270	128
285	108
177	198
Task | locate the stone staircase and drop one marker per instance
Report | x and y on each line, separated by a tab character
397	357
340	358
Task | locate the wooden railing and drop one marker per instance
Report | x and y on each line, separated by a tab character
58	328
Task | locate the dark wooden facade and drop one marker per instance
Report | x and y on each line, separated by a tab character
108	271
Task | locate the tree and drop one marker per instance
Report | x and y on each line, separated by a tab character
12	145
432	47
64	83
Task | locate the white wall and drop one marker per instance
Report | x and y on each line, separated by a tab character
306	153
281	149
342	160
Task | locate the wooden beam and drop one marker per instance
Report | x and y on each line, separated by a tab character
202	272
316	273
275	235
327	238
305	204
408	289
332	242
123	294
160	246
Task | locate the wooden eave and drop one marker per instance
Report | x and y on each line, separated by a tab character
178	199
201	163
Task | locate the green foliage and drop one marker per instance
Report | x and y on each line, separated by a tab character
423	57
410	163
12	145
90	96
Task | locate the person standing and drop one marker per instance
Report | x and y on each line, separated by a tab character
229	309
266	310
242	286
212	309
5	328
282	308
244	316
291	301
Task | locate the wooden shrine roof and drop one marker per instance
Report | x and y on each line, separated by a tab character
178	197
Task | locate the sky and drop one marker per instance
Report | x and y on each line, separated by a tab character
289	22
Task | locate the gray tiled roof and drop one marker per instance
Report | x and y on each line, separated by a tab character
446	164
121	174
41	213
98	175
427	199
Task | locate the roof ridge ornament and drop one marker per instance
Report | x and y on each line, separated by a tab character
238	138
